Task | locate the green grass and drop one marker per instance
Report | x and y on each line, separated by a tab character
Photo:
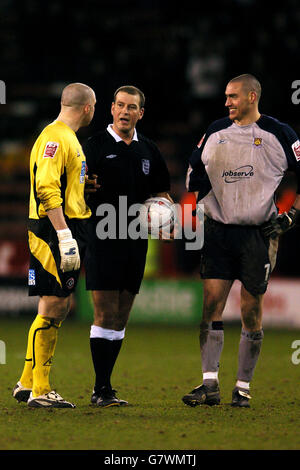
156	367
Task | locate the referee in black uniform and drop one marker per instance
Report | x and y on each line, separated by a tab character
128	165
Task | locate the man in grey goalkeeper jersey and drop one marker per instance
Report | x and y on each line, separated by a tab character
235	171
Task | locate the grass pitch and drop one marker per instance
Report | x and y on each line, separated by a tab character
156	367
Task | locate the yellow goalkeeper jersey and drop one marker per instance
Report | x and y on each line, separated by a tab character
57	173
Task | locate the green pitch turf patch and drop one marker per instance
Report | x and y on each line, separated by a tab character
156	367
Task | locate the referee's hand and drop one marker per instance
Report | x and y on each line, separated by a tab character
91	184
69	252
168	236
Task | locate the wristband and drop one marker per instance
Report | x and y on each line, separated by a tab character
64	234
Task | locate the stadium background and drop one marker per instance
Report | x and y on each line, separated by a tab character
181	57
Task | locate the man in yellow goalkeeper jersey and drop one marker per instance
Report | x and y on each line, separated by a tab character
57	238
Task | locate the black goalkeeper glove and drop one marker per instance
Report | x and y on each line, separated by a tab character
282	223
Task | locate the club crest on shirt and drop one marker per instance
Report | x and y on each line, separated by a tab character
50	150
146	166
257	141
296	149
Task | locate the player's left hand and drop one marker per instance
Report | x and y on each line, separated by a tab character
91	184
282	223
69	252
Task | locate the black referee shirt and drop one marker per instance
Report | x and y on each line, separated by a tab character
136	170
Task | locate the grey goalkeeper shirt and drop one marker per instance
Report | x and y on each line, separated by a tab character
237	169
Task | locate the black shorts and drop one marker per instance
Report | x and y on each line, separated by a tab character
114	264
238	252
45	276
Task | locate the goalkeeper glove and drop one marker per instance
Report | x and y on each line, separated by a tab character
68	248
280	224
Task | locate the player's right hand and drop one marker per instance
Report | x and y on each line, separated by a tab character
69	252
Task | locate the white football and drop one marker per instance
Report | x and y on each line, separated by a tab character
157	213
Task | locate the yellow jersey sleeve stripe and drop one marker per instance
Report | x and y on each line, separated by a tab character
43	254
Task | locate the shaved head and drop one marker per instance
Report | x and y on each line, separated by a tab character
77	105
77	94
249	83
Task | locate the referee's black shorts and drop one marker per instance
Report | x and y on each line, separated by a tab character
114	264
238	252
45	276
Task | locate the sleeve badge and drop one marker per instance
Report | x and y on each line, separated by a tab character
50	150
296	150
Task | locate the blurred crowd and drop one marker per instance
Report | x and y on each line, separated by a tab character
181	56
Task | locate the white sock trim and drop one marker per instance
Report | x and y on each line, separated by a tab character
210	375
241	384
111	335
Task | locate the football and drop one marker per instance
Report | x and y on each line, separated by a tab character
157	213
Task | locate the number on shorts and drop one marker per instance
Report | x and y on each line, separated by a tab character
267	268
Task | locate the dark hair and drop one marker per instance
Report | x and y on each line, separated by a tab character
250	83
131	90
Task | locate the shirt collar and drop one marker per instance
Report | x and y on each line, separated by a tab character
117	137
